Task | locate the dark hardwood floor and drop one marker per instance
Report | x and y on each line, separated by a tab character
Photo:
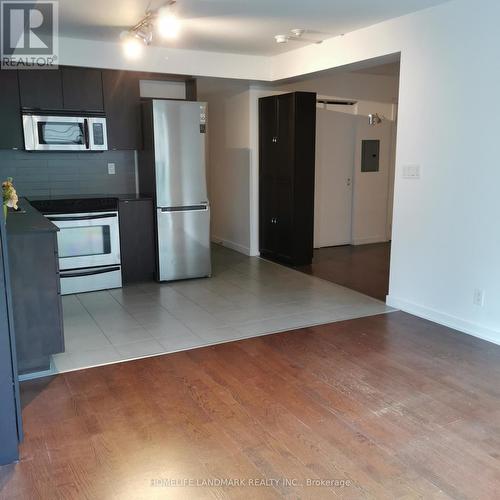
364	268
396	406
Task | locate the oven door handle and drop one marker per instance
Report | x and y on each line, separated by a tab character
69	274
83	217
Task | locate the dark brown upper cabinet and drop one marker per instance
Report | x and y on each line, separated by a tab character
122	107
11	132
82	89
41	89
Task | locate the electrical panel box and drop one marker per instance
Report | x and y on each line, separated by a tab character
370	153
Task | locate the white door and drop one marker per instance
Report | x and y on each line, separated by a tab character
335	136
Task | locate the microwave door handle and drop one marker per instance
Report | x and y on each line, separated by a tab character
86	132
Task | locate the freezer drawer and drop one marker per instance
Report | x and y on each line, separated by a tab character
183	242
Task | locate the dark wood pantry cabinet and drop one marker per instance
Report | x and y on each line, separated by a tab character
287	134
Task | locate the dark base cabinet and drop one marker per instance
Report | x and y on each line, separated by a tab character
36	298
137	240
287	135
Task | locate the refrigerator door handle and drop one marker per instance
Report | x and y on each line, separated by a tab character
187	208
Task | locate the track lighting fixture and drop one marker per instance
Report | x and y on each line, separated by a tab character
163	20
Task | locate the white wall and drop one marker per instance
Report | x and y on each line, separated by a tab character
371	189
161	89
228	161
356	86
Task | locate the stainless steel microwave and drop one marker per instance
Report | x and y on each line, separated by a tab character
44	132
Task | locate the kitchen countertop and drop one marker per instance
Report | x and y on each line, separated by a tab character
28	220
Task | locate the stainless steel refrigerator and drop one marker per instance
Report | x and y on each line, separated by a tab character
172	165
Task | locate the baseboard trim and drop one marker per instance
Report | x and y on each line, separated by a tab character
367	241
464	326
232	245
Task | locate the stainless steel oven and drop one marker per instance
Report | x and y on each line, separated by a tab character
52	132
88	241
89	251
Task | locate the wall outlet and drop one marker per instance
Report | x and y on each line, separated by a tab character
478	297
411	171
111	169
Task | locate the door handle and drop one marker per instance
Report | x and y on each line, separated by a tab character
349	182
83	217
91	272
275	140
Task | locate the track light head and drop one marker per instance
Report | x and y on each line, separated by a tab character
132	45
167	23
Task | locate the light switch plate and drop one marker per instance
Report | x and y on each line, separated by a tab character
478	297
411	171
111	169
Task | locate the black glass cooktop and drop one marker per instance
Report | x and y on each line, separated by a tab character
74	205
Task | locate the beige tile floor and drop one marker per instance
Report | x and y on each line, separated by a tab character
245	297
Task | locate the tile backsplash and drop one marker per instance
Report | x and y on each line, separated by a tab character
45	174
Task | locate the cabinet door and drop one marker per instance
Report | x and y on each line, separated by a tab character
11	132
41	89
137	240
284	224
285	137
36	299
122	107
284	166
267	174
82	89
267	219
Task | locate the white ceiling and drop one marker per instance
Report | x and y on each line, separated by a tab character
239	26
